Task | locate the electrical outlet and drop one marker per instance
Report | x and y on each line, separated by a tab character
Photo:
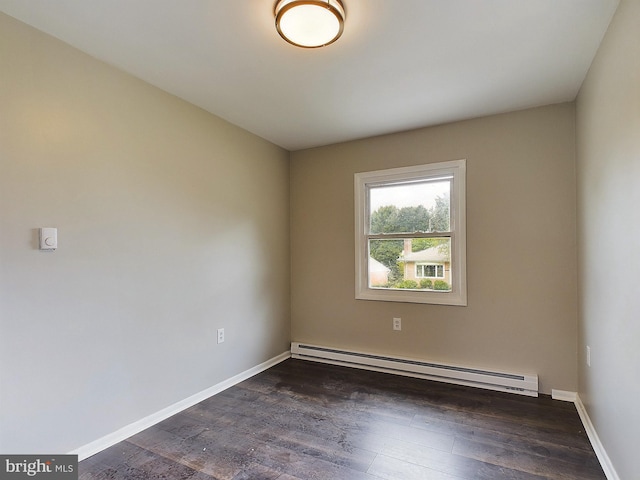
221	335
588	356
397	324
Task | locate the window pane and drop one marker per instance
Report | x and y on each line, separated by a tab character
410	263
412	207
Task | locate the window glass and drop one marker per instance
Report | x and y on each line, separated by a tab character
408	208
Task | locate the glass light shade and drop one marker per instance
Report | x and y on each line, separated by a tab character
310	23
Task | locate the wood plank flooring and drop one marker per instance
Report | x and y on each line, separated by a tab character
303	420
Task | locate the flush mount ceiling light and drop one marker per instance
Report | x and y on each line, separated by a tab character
309	23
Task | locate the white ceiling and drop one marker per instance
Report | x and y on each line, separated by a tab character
400	64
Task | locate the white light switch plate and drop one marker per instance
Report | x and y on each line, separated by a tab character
48	238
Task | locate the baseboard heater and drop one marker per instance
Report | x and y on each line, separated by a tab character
500	381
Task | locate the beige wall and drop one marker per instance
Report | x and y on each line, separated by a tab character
608	159
161	211
521	313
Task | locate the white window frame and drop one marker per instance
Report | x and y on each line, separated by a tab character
422	264
456	169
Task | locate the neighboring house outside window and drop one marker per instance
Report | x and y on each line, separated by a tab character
410	234
431	263
378	273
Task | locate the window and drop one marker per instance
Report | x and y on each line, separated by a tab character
410	234
429	271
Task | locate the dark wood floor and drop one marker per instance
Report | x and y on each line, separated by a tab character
303	420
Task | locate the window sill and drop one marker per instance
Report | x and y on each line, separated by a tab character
412	296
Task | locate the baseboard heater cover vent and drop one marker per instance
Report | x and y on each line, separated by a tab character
500	381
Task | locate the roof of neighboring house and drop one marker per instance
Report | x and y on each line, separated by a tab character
433	254
376	266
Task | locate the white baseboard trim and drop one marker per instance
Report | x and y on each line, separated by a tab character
601	453
564	395
136	427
